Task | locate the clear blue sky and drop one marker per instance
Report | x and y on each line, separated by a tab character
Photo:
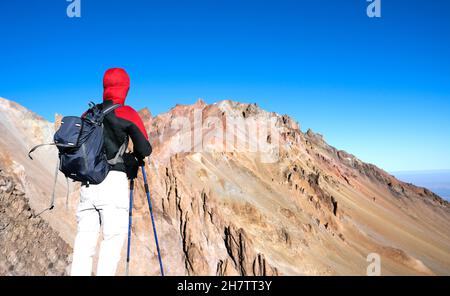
378	88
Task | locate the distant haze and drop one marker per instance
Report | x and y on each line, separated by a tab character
437	181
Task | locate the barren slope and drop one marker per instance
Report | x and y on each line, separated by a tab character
298	207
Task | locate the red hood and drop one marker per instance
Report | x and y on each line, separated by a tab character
116	84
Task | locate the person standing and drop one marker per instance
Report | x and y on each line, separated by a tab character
105	206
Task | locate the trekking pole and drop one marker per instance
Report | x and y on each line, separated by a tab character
147	191
130	222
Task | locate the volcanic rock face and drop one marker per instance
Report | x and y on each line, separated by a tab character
28	245
237	190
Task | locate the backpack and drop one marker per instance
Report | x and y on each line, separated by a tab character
80	143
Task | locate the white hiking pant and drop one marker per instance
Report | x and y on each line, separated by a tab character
103	205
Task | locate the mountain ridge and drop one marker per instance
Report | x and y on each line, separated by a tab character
303	207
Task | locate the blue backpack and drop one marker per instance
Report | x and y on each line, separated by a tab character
82	156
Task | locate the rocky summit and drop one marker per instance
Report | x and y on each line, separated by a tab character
236	190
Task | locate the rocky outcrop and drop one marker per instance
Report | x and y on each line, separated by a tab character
243	255
299	206
205	233
28	245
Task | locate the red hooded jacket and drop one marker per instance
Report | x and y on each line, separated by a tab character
124	122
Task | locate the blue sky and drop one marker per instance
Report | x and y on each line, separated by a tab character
377	88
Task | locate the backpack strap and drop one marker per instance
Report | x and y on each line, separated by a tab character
67	194
109	110
52	203
39	146
99	114
118	158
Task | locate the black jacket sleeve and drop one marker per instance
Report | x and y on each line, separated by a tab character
141	144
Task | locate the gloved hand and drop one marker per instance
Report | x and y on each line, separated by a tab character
140	160
131	165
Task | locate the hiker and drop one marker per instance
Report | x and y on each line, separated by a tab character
107	204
